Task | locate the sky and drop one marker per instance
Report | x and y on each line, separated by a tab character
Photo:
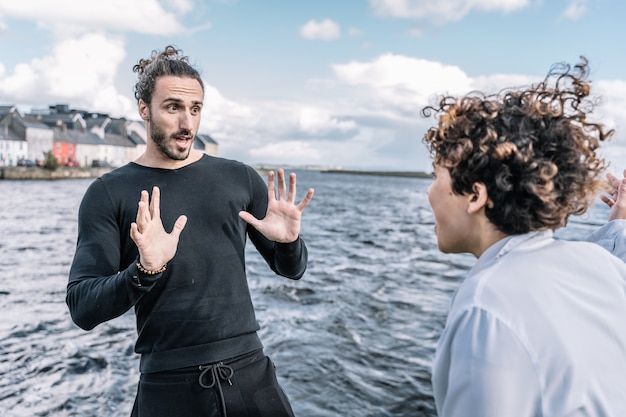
323	83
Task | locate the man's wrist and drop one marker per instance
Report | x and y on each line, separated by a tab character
142	277
150	272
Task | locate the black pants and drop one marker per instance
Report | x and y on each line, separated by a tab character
243	387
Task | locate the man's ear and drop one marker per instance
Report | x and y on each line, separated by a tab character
478	199
144	111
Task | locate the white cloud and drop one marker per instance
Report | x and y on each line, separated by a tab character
442	10
180	6
366	150
318	121
575	10
612	112
402	84
391	70
370	119
266	121
613	106
415	32
285	151
325	30
79	71
226	118
140	16
495	82
355	32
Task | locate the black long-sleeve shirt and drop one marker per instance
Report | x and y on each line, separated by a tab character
199	310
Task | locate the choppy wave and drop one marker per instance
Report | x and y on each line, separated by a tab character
354	337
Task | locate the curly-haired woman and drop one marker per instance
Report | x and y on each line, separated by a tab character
538	327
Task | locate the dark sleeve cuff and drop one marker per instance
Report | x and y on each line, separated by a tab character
289	249
291	258
141	281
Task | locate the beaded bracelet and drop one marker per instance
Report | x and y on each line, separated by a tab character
148	272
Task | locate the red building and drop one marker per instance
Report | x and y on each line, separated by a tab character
64	152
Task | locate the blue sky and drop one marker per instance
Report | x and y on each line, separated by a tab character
335	83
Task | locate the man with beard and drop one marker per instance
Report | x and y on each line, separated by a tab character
197	331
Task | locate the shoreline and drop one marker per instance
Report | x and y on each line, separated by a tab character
405	174
38	173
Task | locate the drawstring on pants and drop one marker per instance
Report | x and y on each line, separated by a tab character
218	372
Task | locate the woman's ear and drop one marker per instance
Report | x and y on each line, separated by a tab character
478	199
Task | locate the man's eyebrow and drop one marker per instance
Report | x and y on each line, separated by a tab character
171	99
179	100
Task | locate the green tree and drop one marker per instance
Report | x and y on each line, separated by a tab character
50	161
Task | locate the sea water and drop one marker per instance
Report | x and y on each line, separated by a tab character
354	337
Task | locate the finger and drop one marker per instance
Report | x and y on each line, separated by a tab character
292	188
271	188
179	226
621	187
608	201
145	197
143	216
249	218
618	196
134	232
155	203
613	180
306	200
282	188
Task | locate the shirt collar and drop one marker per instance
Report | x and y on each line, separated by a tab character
506	245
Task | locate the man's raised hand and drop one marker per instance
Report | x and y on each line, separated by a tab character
283	217
156	246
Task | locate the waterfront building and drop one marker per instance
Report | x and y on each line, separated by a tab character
26	138
75	137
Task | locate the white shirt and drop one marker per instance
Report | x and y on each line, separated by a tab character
538	328
612	237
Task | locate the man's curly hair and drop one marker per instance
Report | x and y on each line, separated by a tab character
170	61
534	149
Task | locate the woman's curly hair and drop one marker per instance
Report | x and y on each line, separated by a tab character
534	149
170	61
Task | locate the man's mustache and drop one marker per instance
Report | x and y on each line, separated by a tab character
183	132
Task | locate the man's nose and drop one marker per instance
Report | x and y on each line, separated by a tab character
186	120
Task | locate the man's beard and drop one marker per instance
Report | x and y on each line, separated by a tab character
161	141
